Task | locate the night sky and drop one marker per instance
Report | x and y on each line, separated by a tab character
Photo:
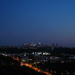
45	21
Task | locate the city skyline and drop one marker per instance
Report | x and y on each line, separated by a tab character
37	21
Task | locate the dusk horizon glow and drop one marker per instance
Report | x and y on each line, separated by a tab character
45	21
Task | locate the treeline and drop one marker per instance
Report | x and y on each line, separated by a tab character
62	50
55	50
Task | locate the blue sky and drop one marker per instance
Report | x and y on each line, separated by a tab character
45	21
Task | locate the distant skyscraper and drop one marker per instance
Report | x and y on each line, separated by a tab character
56	45
15	45
52	44
60	45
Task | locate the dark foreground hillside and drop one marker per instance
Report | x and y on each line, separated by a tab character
17	70
8	66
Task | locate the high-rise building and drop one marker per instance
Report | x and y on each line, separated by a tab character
52	44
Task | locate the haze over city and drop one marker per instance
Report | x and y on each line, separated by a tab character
45	21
